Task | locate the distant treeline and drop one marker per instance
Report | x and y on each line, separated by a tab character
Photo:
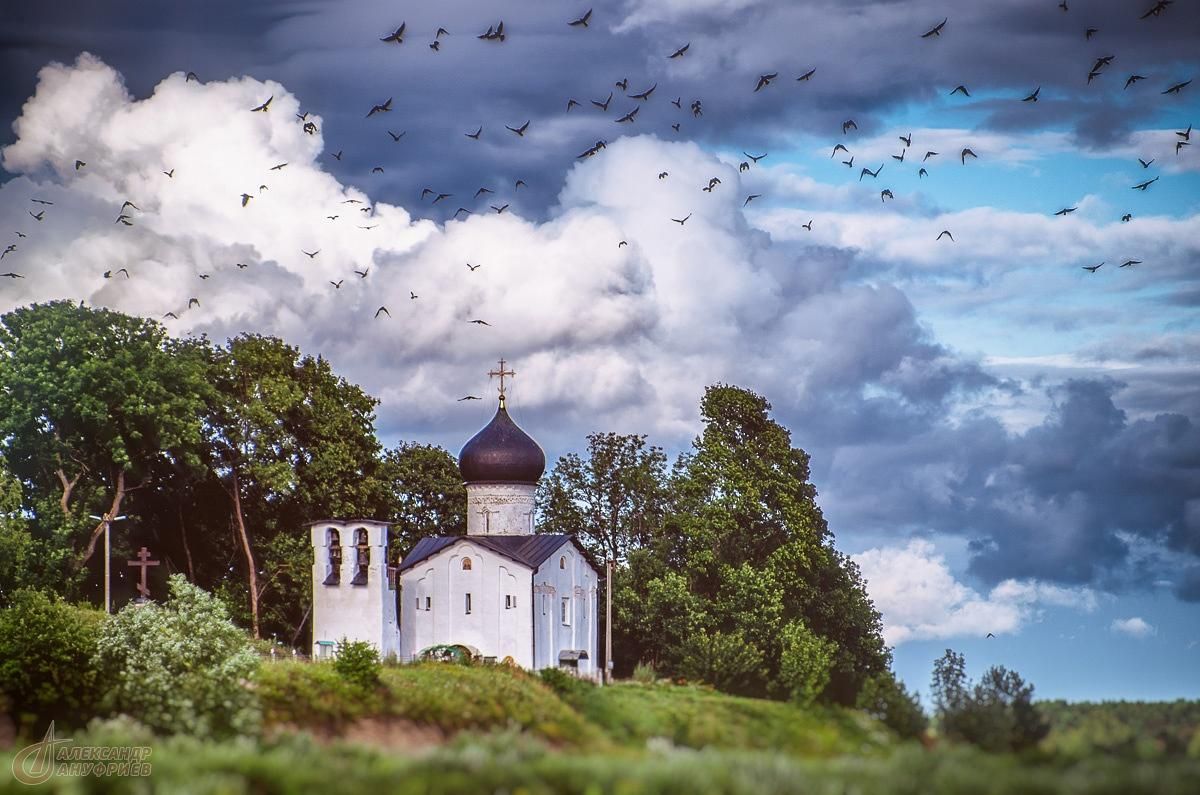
1143	729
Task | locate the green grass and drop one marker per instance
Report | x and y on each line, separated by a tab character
512	762
450	698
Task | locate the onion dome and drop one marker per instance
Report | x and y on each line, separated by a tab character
501	453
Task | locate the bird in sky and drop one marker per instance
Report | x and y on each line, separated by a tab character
383	310
1126	218
928	155
171	315
473	268
265	106
1133	79
11	275
765	80
478	322
807	75
867	171
922	173
39	215
663	175
475	135
397	136
1143	185
755	158
246	197
472	397
960	90
337	155
808	226
683	220
499	209
397	35
1033	97
582	21
679	52
310	254
1066	211
571	103
382	108
645	94
482	191
1093	268
51	204
967	153
936	30
885	194
363	273
907	139
412	295
751	198
193	302
190	77
1145	163
603	105
629	117
518	130
838	148
1130	262
945	233
1175	89
848	125
338	284
1186	134
989	635
79	164
1087	34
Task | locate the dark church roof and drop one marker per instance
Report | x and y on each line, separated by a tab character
529	550
501	453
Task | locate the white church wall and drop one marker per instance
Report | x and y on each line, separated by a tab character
500	509
565	575
433	604
344	610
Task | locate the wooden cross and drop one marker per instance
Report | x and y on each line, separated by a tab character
142	562
501	372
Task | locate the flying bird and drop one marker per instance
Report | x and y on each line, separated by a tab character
1087	34
246	197
377	170
337	155
885	194
808	226
645	94
663	175
310	254
518	130
1145	163
1129	262
754	159
482	191
51	204
190	77
1093	268
1175	89
397	35
866	171
80	164
807	75
265	106
838	148
964	153
765	80
11	275
193	302
363	274
397	136
946	233
928	155
38	216
383	310
412	295
848	124
384	108
1126	218
1066	211
338	284
1034	96
583	20
960	90
936	30
499	209
922	173
1156	9
679	53
907	140
628	117
622	84
479	322
900	156
475	397
171	315
1186	134
751	198
473	268
1143	185
603	105
571	103
683	220
1133	79
475	135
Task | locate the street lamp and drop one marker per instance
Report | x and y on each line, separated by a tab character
108	520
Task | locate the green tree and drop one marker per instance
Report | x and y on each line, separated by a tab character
722	659
46	649
92	401
16	545
996	714
611	500
422	494
886	699
289	441
179	667
805	662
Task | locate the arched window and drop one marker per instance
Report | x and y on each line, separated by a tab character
562	562
466	564
362	549
333	543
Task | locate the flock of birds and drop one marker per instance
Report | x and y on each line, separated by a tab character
129	211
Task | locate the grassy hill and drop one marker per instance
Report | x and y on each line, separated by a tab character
448	729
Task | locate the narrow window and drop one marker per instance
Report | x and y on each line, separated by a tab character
566	611
468	604
362	548
507	602
514	601
543	604
428	602
334	574
562	562
418	603
466	564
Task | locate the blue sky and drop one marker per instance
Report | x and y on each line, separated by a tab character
1004	440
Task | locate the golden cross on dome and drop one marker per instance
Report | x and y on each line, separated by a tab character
501	372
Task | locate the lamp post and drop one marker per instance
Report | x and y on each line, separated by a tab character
108	519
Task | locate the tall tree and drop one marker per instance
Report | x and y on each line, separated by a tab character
422	494
290	442
610	501
92	401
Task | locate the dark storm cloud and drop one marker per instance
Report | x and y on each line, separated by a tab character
869	59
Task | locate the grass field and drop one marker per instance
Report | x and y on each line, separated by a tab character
449	729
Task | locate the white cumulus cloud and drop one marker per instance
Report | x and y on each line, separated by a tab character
1134	627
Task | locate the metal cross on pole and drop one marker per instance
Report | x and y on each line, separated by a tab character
143	562
501	372
108	519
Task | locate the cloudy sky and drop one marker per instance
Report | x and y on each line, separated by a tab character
1006	441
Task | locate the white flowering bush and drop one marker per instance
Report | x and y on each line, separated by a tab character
181	667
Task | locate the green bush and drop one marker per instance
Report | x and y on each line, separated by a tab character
722	659
805	663
179	667
46	650
568	687
885	699
358	663
645	674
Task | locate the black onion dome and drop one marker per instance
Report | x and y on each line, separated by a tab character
501	453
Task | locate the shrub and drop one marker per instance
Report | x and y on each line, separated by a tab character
179	667
46	649
722	659
358	663
885	698
997	714
569	687
805	662
645	674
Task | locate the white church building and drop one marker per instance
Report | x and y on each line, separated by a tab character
502	591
